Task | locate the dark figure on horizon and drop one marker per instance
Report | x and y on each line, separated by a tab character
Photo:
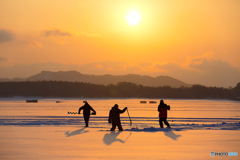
162	109
86	112
114	117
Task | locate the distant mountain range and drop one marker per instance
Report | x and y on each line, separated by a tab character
74	76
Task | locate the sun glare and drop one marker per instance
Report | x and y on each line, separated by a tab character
133	18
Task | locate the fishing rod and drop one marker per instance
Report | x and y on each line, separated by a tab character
129	118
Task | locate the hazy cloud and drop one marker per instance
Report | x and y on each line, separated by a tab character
199	59
203	69
31	43
133	69
6	36
145	64
105	65
213	65
168	67
110	69
209	72
56	32
99	66
3	58
215	73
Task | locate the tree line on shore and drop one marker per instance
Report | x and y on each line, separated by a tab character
120	90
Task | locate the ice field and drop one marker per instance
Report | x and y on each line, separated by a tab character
45	130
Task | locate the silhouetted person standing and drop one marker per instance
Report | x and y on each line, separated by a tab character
86	112
114	117
162	109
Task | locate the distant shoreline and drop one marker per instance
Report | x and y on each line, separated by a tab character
54	99
122	90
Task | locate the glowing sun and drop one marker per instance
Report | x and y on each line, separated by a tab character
133	18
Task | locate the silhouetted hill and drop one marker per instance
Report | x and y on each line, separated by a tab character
74	76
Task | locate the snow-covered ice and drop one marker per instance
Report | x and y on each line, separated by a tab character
44	130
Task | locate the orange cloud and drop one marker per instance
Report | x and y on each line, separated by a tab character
110	69
99	66
6	36
56	32
32	43
3	58
198	59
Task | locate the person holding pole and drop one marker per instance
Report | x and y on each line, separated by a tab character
162	109
86	112
114	117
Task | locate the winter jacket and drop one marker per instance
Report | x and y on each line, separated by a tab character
114	114
86	109
162	109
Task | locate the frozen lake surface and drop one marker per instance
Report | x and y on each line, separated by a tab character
45	130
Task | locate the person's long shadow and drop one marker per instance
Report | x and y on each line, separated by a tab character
167	131
73	133
172	135
109	138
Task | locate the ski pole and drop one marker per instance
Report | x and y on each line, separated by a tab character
129	118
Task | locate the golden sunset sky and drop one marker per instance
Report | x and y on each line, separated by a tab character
173	37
